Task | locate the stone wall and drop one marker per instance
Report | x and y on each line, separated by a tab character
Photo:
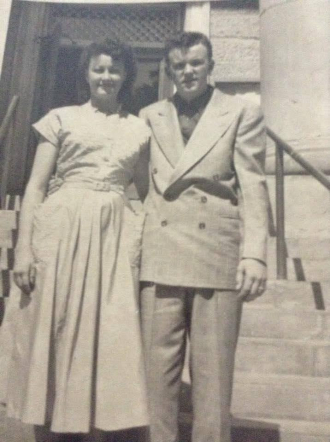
234	32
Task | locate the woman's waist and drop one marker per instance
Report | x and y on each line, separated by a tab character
100	185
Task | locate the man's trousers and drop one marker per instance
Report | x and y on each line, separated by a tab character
211	319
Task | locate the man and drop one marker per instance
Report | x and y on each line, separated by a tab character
204	242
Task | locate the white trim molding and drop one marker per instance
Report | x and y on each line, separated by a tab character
5	8
197	17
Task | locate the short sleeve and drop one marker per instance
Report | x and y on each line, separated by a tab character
49	127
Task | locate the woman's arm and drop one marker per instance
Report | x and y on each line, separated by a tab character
43	166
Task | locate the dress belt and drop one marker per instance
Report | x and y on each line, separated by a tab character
102	186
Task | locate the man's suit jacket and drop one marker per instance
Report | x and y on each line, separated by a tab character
207	201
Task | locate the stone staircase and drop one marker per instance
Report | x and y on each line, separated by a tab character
282	382
283	358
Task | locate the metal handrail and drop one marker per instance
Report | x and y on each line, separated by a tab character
281	147
316	173
6	162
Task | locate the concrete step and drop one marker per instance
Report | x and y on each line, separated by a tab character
313	247
285	294
281	430
285	356
276	323
307	206
302	269
282	397
289	310
270	430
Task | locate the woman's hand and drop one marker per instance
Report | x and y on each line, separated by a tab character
43	166
24	270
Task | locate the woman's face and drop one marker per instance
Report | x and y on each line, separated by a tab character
105	77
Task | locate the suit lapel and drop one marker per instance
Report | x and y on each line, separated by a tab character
166	128
213	124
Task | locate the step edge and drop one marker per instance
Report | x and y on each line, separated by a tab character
272	379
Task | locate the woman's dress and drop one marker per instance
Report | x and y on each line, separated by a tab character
77	359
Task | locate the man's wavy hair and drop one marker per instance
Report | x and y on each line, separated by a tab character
117	51
186	40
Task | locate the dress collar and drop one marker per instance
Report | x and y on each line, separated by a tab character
94	109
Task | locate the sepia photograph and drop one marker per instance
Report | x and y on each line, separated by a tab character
164	221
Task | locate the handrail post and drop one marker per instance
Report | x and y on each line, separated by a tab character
280	226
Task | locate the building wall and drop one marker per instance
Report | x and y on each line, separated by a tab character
234	32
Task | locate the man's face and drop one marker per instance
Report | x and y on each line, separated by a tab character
189	69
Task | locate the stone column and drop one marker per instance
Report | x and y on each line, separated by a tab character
295	73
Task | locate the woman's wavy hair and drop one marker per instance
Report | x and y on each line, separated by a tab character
119	52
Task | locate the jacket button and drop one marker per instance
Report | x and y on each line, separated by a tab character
154	171
201	225
164	223
216	177
204	199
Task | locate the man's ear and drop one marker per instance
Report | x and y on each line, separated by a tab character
211	66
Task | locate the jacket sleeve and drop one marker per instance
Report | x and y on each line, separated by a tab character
141	172
249	163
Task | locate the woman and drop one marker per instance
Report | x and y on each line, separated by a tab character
77	362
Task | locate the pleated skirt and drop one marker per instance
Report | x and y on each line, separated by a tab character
76	355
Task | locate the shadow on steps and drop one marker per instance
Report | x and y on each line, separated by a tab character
243	430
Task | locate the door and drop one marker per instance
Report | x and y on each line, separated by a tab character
61	87
144	26
51	48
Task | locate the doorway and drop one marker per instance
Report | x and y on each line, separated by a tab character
64	91
72	27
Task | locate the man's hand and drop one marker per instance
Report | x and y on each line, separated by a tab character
251	279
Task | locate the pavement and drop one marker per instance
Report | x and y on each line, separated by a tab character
12	430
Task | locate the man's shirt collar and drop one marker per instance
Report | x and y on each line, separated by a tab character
198	104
